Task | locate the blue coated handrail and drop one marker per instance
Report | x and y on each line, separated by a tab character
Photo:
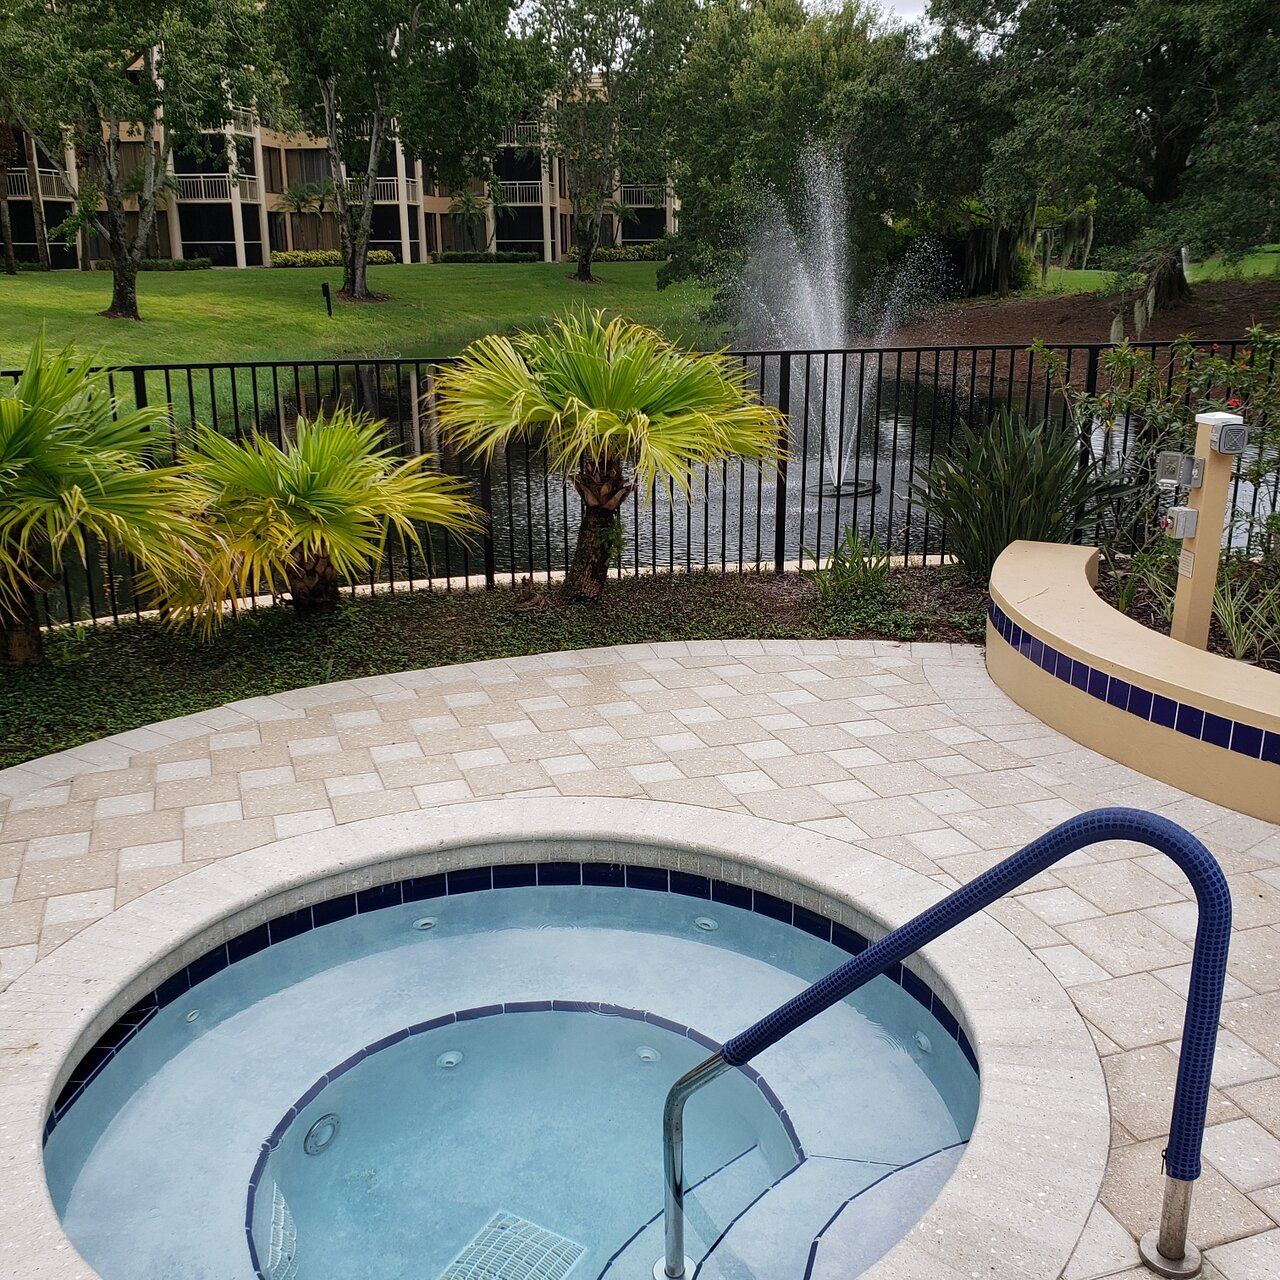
1199	1032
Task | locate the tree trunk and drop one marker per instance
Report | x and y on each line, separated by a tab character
603	490
1167	284
313	582
124	287
6	223
586	250
20	629
37	203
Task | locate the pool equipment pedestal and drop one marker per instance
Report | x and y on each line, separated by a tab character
1167	1251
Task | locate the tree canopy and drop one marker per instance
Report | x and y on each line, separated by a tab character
121	83
443	76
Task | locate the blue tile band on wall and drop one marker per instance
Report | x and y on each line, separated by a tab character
511	1007
1194	722
472	880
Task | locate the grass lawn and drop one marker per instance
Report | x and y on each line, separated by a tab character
105	680
279	314
1261	263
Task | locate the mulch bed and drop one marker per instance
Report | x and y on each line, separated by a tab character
1220	309
1145	609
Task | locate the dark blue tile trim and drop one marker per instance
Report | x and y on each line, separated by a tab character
277	1135
1194	722
507	875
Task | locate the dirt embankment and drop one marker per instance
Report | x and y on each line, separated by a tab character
1222	309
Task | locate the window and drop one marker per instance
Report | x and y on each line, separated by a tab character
307	164
273	160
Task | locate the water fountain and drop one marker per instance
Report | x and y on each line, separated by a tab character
795	296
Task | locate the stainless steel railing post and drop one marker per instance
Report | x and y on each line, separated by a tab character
1166	1249
671	1265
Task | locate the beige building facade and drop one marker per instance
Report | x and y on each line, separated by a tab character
237	205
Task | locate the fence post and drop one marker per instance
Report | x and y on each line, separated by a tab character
139	388
486	505
1091	372
780	500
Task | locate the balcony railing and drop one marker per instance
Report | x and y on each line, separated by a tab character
521	135
242	121
645	197
51	185
215	186
385	190
522	192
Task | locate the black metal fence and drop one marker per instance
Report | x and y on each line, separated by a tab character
864	423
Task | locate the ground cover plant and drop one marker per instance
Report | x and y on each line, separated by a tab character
268	315
103	680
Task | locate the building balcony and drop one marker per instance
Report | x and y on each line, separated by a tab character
521	135
51	185
216	186
522	192
652	196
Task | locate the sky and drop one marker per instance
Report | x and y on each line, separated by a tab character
909	10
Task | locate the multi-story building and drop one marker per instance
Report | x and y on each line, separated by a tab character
237	204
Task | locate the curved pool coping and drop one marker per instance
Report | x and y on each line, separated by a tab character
1016	1205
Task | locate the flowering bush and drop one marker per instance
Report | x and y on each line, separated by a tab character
326	258
1146	401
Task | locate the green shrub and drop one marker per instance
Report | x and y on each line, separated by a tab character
1014	480
161	264
658	251
503	255
176	264
856	568
327	258
1023	272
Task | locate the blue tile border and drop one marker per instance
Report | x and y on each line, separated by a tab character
467	1015
474	880
1182	717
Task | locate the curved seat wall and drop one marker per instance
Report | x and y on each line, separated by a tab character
1207	724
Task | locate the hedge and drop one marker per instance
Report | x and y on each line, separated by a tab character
161	264
327	258
655	252
503	255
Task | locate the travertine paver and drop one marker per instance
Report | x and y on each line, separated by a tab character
907	750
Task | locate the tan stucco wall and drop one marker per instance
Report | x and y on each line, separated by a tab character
1048	591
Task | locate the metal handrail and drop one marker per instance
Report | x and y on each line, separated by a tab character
1167	1250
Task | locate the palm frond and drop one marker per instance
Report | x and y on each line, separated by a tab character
76	465
333	488
593	388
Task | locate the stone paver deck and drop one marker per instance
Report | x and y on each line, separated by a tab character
906	750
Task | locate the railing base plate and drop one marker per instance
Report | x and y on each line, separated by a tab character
1186	1266
660	1269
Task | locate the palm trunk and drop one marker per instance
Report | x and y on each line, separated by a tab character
37	203
313	582
603	490
20	630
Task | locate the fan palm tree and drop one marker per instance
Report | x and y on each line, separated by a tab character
297	200
471	207
306	513
74	468
612	406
